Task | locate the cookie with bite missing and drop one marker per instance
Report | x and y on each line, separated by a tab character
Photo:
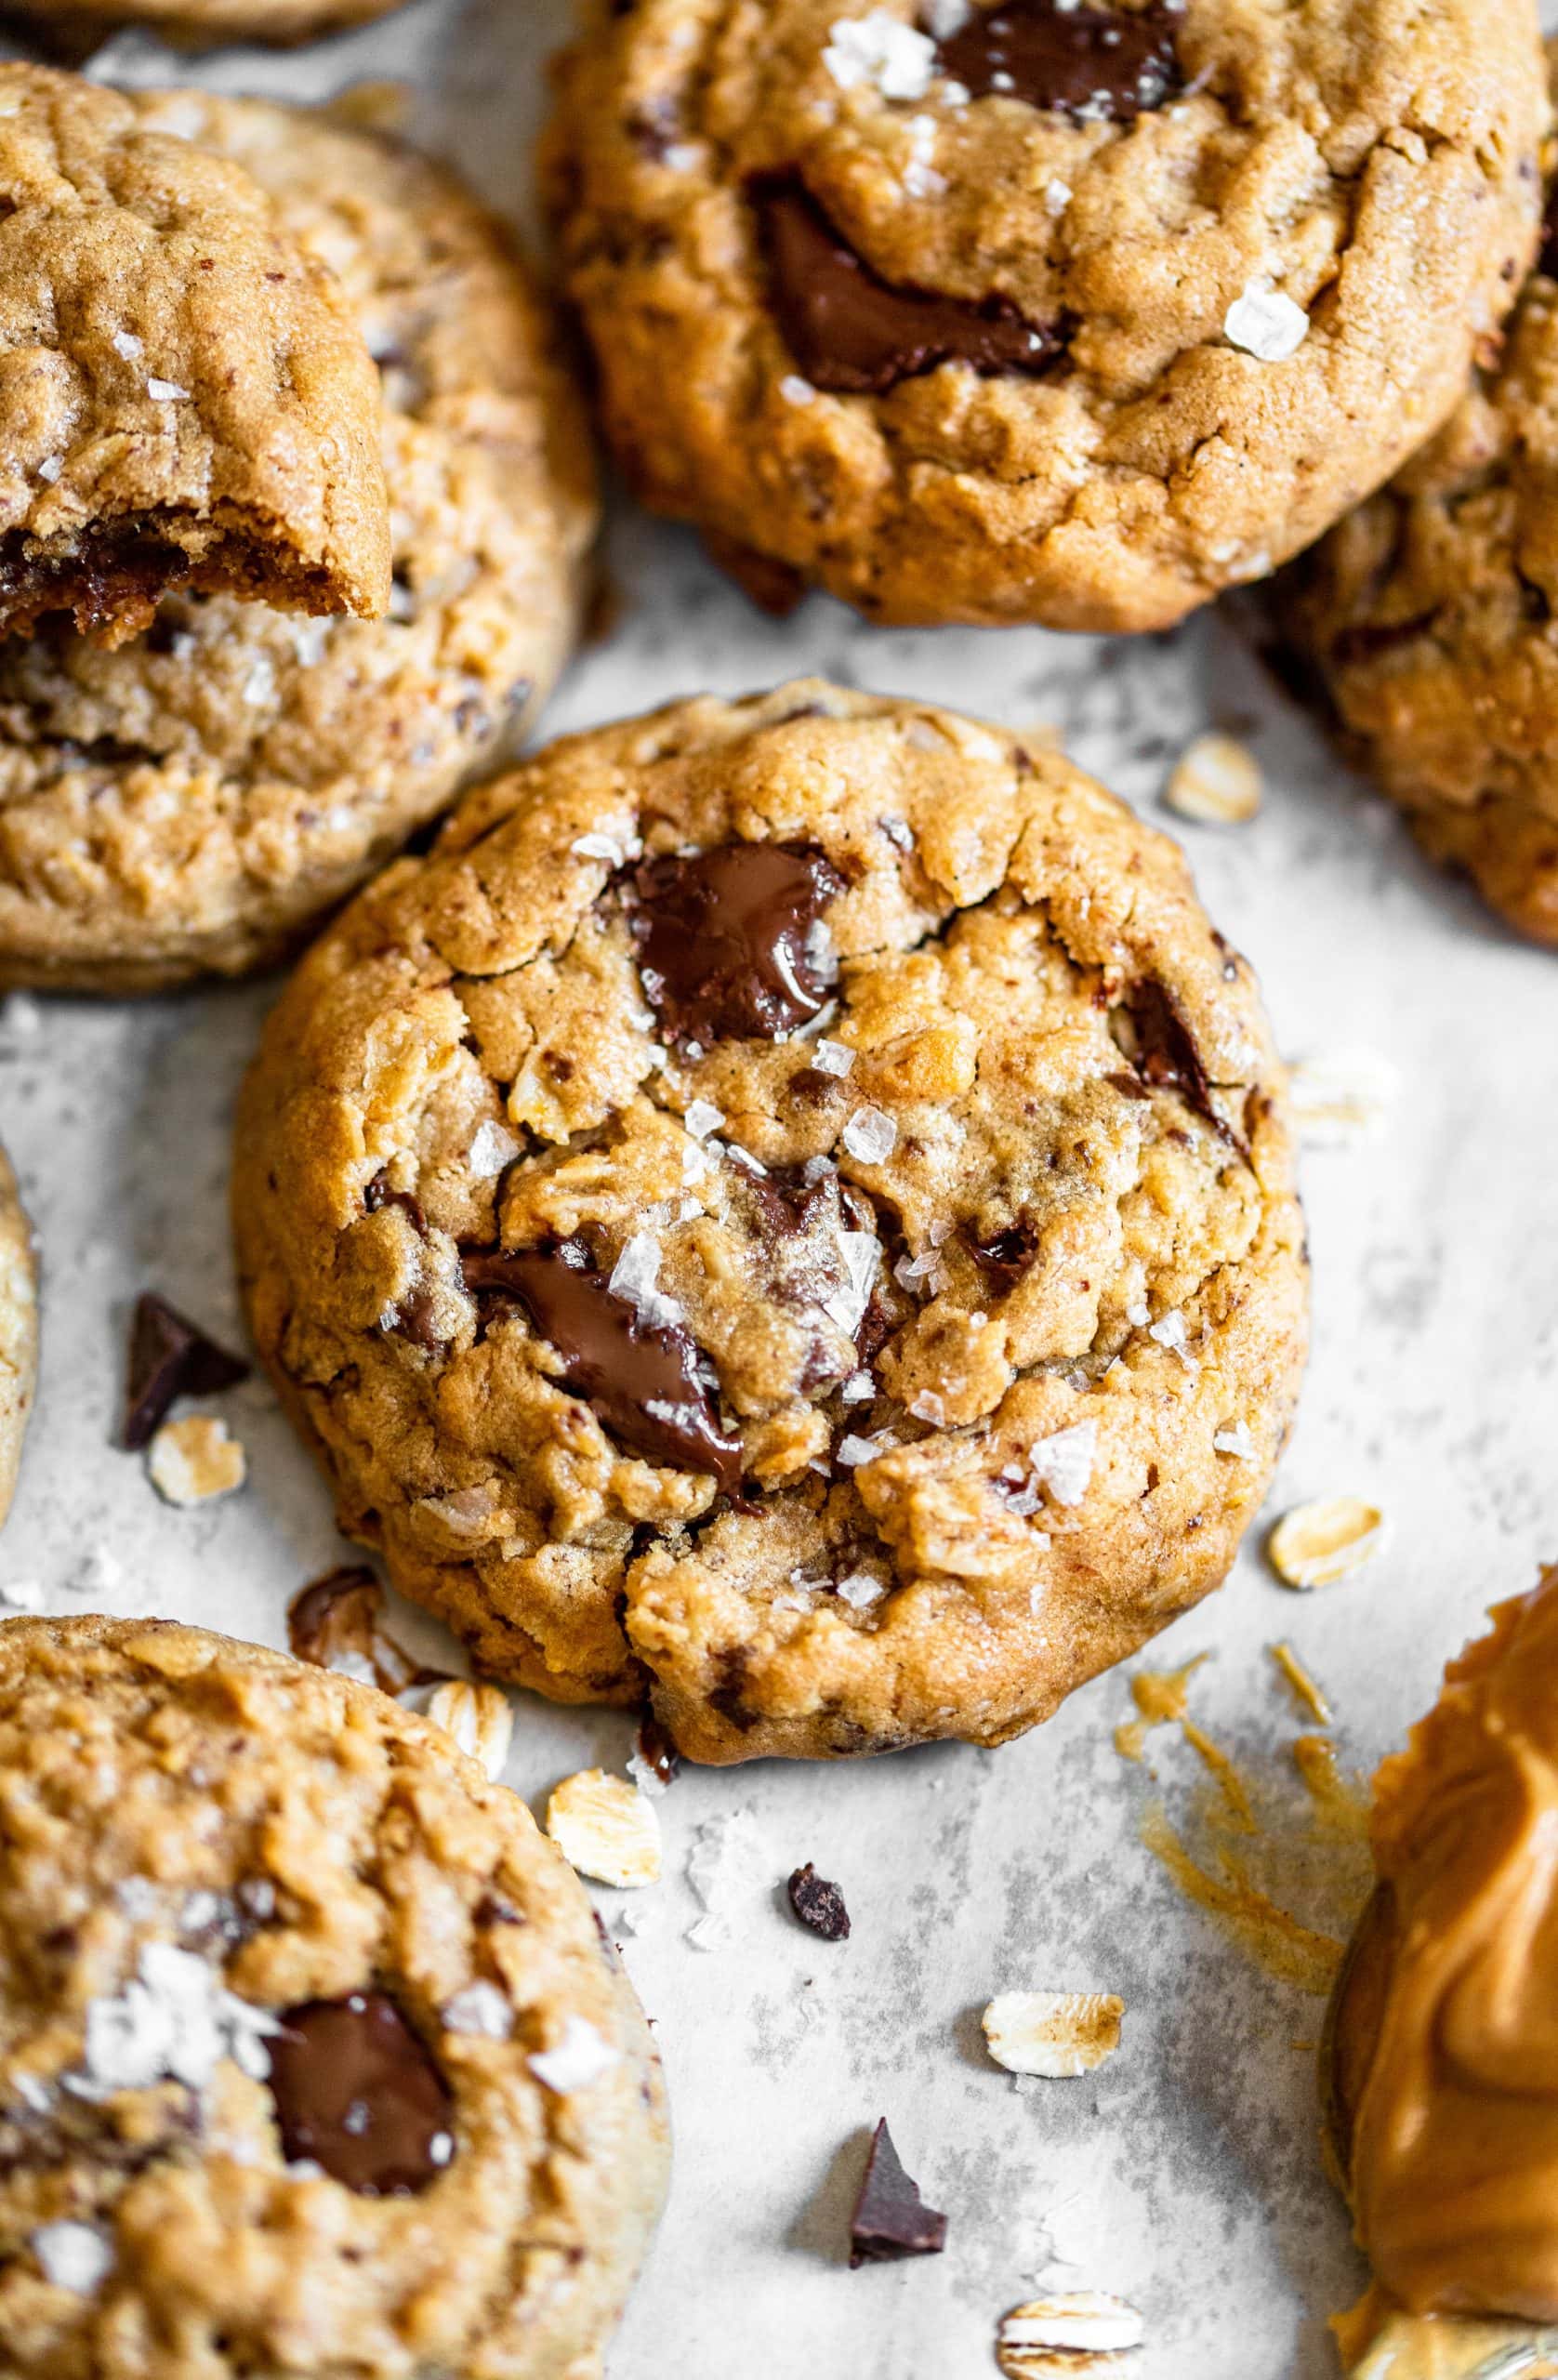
186	398
19	1330
314	2060
787	1212
1037	311
191	802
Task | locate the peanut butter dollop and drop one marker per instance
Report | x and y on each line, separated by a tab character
1442	2060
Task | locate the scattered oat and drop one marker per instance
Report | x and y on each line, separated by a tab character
1061	2335
1265	322
1317	1543
605	1827
50	469
479	1718
578	2060
196	1461
1216	781
1055	2033
1339	1097
859	1590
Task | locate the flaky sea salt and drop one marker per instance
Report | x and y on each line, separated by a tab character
491	1147
833	1058
577	2061
1063	1463
794	390
1233	1438
482	2010
633	1277
702	1117
173	2021
76	2256
1265	322
164	392
869	1137
1169	1331
880	49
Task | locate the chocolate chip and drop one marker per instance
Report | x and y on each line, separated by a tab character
357	2091
725	939
642	1383
170	1357
890	2219
819	1904
1106	65
658	1752
854	333
335	1623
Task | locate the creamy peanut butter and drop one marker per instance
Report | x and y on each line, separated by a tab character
1442	2064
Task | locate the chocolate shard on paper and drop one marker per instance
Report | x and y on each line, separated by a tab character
170	1358
641	1381
856	334
891	2219
357	2091
1103	65
819	1905
336	1623
726	946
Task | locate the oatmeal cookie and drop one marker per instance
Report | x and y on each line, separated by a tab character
19	1330
1430	620
192	802
787	1210
1037	312
185	393
199	22
312	2060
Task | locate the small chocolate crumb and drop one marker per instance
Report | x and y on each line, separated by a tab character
357	2091
819	1904
658	1752
335	1623
890	2218
170	1358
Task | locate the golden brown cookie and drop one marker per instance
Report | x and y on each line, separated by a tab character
19	1330
185	394
1439	2059
314	2060
1037	312
193	802
787	1210
1430	620
199	22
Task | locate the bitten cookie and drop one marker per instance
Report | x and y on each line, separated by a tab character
1431	618
199	22
312	2060
786	1211
1438	2061
193	802
19	1330
185	394
1037	312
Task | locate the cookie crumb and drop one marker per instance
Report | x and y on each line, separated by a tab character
605	1827
1081	2332
1054	2033
196	1461
819	1904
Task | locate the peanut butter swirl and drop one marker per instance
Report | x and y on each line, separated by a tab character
1444	2049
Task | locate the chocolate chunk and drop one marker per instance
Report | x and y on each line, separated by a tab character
378	1194
658	1752
819	1904
1005	1255
725	939
357	2091
854	333
642	1383
336	1623
1166	1056
169	1357
1547	258
1106	65
890	2219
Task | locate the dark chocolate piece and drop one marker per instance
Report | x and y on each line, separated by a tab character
1005	1255
170	1358
656	1750
1165	1056
819	1904
642	1383
851	332
378	1194
1547	256
1106	65
357	2091
890	2219
336	1623
723	937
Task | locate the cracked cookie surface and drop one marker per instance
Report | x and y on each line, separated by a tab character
786	1211
190	801
19	1330
312	2060
1431	616
185	394
1212	282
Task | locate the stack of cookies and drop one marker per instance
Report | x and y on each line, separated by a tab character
779	1213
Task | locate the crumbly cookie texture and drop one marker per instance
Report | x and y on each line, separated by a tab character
774	1214
19	1330
199	22
1430	620
185	393
1048	312
192	802
312	2060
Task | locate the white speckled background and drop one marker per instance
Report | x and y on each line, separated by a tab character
1186	2175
